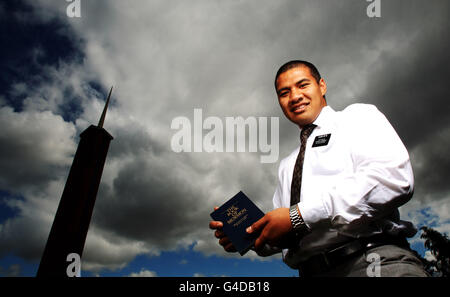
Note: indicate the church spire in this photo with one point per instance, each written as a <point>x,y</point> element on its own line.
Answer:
<point>102,118</point>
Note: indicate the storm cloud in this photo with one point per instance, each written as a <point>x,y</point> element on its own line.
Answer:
<point>167,58</point>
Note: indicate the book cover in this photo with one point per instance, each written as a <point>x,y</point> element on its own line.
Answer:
<point>236,215</point>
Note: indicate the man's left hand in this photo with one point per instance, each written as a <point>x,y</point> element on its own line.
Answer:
<point>274,228</point>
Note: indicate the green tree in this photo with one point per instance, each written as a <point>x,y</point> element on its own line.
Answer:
<point>439,246</point>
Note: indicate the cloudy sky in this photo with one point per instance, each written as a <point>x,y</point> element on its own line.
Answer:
<point>167,58</point>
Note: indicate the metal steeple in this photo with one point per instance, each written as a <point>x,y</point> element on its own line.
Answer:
<point>102,118</point>
<point>72,219</point>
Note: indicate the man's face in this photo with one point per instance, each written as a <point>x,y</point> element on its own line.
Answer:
<point>300,95</point>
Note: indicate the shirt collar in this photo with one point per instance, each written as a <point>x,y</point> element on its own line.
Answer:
<point>324,117</point>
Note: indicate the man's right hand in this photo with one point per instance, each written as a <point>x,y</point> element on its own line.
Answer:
<point>224,241</point>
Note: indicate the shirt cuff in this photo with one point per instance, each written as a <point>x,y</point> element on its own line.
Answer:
<point>313,212</point>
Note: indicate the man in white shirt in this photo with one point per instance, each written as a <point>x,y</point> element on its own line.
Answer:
<point>336,203</point>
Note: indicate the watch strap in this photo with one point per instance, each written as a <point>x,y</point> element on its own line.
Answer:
<point>298,224</point>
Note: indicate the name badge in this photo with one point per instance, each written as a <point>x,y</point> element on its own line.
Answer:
<point>321,140</point>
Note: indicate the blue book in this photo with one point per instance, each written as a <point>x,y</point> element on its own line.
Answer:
<point>236,215</point>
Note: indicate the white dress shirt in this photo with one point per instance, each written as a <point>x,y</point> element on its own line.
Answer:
<point>351,187</point>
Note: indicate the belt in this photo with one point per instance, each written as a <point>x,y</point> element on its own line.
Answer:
<point>325,261</point>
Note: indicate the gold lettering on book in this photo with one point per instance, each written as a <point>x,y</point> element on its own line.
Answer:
<point>240,221</point>
<point>234,213</point>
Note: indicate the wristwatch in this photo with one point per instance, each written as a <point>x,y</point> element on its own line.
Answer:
<point>298,224</point>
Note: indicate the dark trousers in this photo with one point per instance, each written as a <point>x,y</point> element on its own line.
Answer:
<point>384,261</point>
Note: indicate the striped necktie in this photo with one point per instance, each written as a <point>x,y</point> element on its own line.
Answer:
<point>297,176</point>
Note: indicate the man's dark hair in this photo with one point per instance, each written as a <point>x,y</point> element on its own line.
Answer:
<point>297,63</point>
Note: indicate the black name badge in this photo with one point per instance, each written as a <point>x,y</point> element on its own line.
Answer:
<point>321,140</point>
<point>236,215</point>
